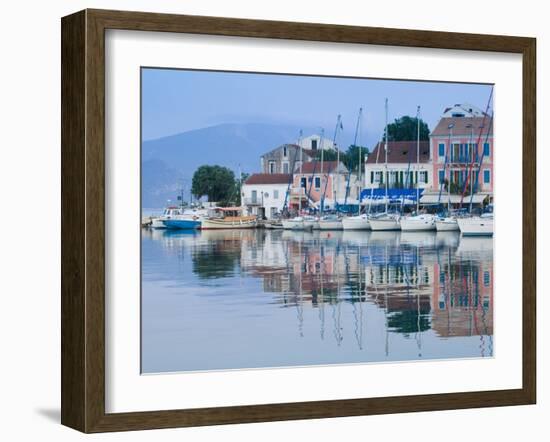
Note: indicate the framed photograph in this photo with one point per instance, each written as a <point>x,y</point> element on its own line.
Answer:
<point>269,220</point>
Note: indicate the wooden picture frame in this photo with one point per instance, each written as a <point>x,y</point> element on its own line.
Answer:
<point>83,220</point>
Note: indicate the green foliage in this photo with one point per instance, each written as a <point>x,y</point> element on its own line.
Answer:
<point>352,156</point>
<point>216,182</point>
<point>329,155</point>
<point>405,129</point>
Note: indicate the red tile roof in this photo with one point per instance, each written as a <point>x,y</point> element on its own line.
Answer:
<point>309,167</point>
<point>269,178</point>
<point>400,152</point>
<point>461,126</point>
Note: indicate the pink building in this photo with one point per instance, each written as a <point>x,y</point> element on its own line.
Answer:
<point>461,145</point>
<point>311,183</point>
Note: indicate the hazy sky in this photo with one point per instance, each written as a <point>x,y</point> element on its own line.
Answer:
<point>176,101</point>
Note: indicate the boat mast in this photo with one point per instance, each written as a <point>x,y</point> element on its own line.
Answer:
<point>386,158</point>
<point>417,159</point>
<point>321,200</point>
<point>241,186</point>
<point>337,187</point>
<point>358,164</point>
<point>300,183</point>
<point>450,150</point>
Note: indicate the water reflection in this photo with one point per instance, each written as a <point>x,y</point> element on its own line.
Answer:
<point>261,298</point>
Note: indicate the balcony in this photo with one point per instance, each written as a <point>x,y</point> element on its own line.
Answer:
<point>252,201</point>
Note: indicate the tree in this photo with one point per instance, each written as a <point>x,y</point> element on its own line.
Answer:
<point>331,155</point>
<point>352,156</point>
<point>405,129</point>
<point>215,182</point>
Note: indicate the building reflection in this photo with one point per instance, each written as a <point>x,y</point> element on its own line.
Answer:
<point>430,282</point>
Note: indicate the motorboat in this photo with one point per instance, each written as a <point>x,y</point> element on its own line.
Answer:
<point>169,213</point>
<point>182,223</point>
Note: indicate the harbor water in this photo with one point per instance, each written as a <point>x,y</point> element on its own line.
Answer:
<point>257,298</point>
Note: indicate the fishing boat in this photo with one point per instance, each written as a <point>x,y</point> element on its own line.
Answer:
<point>358,222</point>
<point>169,213</point>
<point>182,223</point>
<point>446,224</point>
<point>299,223</point>
<point>330,222</point>
<point>476,225</point>
<point>418,222</point>
<point>228,218</point>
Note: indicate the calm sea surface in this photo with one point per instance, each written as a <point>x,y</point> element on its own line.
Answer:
<point>259,298</point>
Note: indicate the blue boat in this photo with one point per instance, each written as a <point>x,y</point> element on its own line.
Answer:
<point>186,224</point>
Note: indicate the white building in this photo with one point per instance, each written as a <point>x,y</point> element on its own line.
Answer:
<point>264,193</point>
<point>402,171</point>
<point>462,110</point>
<point>315,142</point>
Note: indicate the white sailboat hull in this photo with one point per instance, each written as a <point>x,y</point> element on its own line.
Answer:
<point>446,225</point>
<point>416,223</point>
<point>355,223</point>
<point>476,226</point>
<point>384,224</point>
<point>291,224</point>
<point>330,225</point>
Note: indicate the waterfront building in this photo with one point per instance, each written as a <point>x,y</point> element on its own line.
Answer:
<point>283,158</point>
<point>462,154</point>
<point>313,181</point>
<point>317,142</point>
<point>264,194</point>
<point>403,172</point>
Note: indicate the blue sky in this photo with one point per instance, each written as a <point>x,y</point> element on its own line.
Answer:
<point>175,101</point>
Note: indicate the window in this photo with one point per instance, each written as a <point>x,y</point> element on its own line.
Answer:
<point>486,176</point>
<point>486,278</point>
<point>441,176</point>
<point>441,149</point>
<point>303,182</point>
<point>285,151</point>
<point>424,177</point>
<point>486,149</point>
<point>254,196</point>
<point>272,167</point>
<point>314,144</point>
<point>372,177</point>
<point>285,167</point>
<point>317,182</point>
<point>276,194</point>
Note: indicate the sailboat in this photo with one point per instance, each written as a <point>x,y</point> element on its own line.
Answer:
<point>359,221</point>
<point>418,221</point>
<point>477,225</point>
<point>299,223</point>
<point>331,222</point>
<point>386,220</point>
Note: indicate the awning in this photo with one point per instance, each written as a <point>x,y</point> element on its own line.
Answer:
<point>434,198</point>
<point>407,196</point>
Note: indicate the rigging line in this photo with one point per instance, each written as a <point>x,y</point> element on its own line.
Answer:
<point>478,142</point>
